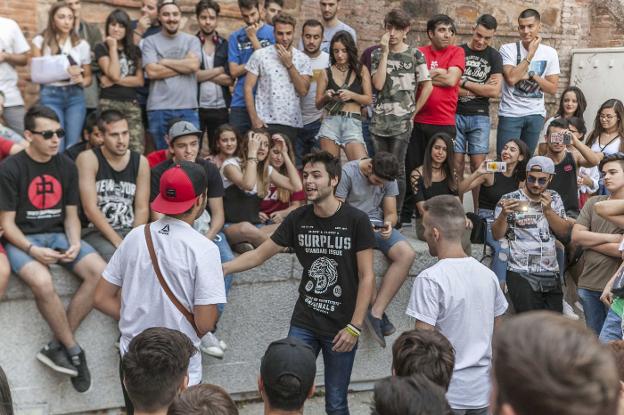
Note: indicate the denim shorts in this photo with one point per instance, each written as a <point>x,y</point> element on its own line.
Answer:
<point>19,258</point>
<point>384,245</point>
<point>341,130</point>
<point>473,134</point>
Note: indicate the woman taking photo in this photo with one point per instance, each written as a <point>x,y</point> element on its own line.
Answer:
<point>120,62</point>
<point>342,90</point>
<point>492,186</point>
<point>65,97</point>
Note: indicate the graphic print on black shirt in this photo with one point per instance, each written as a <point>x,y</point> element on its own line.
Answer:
<point>480,65</point>
<point>38,192</point>
<point>326,248</point>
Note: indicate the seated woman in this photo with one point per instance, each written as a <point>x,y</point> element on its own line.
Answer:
<point>246,181</point>
<point>279,202</point>
<point>228,144</point>
<point>492,186</point>
<point>435,177</point>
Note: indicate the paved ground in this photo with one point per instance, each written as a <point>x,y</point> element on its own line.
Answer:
<point>359,404</point>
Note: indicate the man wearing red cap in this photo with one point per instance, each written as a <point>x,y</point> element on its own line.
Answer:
<point>180,283</point>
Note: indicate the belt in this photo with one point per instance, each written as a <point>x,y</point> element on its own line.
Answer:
<point>354,115</point>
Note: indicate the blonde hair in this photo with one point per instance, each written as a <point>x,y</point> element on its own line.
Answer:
<point>283,195</point>
<point>261,166</point>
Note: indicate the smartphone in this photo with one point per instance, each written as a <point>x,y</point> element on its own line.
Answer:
<point>557,138</point>
<point>523,206</point>
<point>567,138</point>
<point>495,166</point>
<point>59,250</point>
<point>377,224</point>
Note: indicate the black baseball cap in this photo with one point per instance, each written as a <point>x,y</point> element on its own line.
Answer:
<point>284,360</point>
<point>180,186</point>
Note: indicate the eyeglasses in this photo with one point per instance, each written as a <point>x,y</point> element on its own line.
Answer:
<point>48,134</point>
<point>542,181</point>
<point>607,117</point>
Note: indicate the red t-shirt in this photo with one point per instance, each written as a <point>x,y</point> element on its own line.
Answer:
<point>5,147</point>
<point>271,203</point>
<point>156,157</point>
<point>441,106</point>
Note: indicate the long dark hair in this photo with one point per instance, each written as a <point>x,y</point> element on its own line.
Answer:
<point>50,33</point>
<point>617,106</point>
<point>580,100</point>
<point>447,165</point>
<point>519,172</point>
<point>346,39</point>
<point>214,144</point>
<point>6,403</point>
<point>121,17</point>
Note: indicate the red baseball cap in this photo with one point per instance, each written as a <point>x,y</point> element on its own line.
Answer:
<point>180,186</point>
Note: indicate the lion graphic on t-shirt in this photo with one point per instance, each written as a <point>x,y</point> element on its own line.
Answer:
<point>324,273</point>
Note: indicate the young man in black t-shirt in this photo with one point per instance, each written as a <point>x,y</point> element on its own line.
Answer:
<point>39,214</point>
<point>334,244</point>
<point>482,80</point>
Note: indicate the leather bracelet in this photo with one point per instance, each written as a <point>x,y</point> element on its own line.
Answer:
<point>28,249</point>
<point>252,159</point>
<point>289,67</point>
<point>463,84</point>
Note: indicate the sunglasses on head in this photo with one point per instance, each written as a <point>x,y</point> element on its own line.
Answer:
<point>542,181</point>
<point>48,134</point>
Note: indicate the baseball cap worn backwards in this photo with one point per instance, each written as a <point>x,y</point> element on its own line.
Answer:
<point>180,186</point>
<point>541,164</point>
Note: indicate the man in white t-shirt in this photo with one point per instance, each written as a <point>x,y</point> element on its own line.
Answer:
<point>530,69</point>
<point>13,51</point>
<point>462,299</point>
<point>312,36</point>
<point>282,74</point>
<point>189,263</point>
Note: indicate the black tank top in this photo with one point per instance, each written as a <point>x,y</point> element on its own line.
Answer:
<point>116,189</point>
<point>490,195</point>
<point>355,86</point>
<point>564,183</point>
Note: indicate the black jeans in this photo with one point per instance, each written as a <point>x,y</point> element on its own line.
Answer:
<point>421,135</point>
<point>525,298</point>
<point>209,120</point>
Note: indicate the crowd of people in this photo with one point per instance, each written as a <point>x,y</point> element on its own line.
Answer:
<point>154,156</point>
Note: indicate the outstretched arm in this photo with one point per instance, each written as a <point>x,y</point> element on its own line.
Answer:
<point>252,259</point>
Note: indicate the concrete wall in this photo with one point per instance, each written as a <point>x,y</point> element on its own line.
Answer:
<point>259,311</point>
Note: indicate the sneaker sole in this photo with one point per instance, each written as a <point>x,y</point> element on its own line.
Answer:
<point>46,361</point>
<point>211,353</point>
<point>389,332</point>
<point>380,340</point>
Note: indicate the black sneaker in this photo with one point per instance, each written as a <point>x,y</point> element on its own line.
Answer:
<point>374,327</point>
<point>56,358</point>
<point>82,381</point>
<point>387,328</point>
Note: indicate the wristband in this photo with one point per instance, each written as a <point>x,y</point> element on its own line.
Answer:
<point>28,249</point>
<point>136,32</point>
<point>528,60</point>
<point>352,330</point>
<point>290,67</point>
<point>252,159</point>
<point>463,84</point>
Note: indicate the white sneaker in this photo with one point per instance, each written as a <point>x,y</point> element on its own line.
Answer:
<point>568,311</point>
<point>222,345</point>
<point>210,345</point>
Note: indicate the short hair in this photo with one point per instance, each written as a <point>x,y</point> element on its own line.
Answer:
<point>331,163</point>
<point>446,214</point>
<point>544,363</point>
<point>278,2</point>
<point>579,123</point>
<point>284,18</point>
<point>312,23</point>
<point>412,395</point>
<point>488,21</point>
<point>397,18</point>
<point>385,165</point>
<point>557,123</point>
<point>109,116</point>
<point>205,5</point>
<point>162,3</point>
<point>617,348</point>
<point>440,19</point>
<point>38,111</point>
<point>155,365</point>
<point>424,352</point>
<point>619,157</point>
<point>526,13</point>
<point>203,399</point>
<point>91,122</point>
<point>249,4</point>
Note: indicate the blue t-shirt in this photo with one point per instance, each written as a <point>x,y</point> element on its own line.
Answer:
<point>239,52</point>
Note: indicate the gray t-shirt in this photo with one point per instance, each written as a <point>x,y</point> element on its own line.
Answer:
<point>178,92</point>
<point>329,33</point>
<point>461,297</point>
<point>357,191</point>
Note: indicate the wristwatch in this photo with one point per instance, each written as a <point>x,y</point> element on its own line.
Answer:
<point>531,75</point>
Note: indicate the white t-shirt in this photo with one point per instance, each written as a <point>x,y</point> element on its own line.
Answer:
<point>309,111</point>
<point>519,103</point>
<point>235,161</point>
<point>81,53</point>
<point>11,41</point>
<point>461,297</point>
<point>277,101</point>
<point>611,148</point>
<point>191,266</point>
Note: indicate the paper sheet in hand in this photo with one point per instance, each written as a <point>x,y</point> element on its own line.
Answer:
<point>48,69</point>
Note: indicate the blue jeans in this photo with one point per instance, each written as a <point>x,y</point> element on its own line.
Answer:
<point>68,102</point>
<point>612,328</point>
<point>368,138</point>
<point>473,134</point>
<point>527,129</point>
<point>594,309</point>
<point>239,119</point>
<point>158,121</point>
<point>225,252</point>
<point>338,368</point>
<point>500,255</point>
<point>306,141</point>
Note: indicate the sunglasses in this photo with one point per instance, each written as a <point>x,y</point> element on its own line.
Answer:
<point>542,181</point>
<point>48,134</point>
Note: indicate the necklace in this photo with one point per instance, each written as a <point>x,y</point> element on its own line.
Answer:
<point>338,208</point>
<point>342,67</point>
